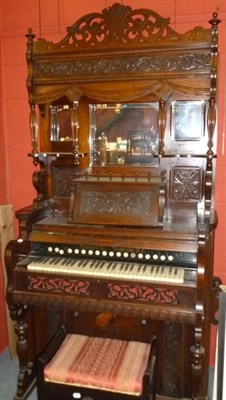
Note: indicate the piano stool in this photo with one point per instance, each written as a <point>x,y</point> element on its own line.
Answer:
<point>85,367</point>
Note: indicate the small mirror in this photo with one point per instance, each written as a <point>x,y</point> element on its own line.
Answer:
<point>124,133</point>
<point>187,120</point>
<point>60,123</point>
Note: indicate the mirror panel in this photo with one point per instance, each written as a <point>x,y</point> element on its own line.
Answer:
<point>60,123</point>
<point>187,120</point>
<point>124,133</point>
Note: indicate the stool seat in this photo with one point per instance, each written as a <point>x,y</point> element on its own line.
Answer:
<point>102,363</point>
<point>76,366</point>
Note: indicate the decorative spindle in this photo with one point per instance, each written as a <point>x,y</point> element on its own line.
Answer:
<point>34,133</point>
<point>215,22</point>
<point>75,131</point>
<point>208,187</point>
<point>30,38</point>
<point>211,122</point>
<point>161,125</point>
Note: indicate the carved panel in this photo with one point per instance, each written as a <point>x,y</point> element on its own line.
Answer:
<point>56,285</point>
<point>141,310</point>
<point>144,293</point>
<point>171,383</point>
<point>127,65</point>
<point>186,184</point>
<point>62,177</point>
<point>116,203</point>
<point>54,320</point>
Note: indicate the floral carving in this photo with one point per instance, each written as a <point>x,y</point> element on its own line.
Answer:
<point>130,65</point>
<point>186,184</point>
<point>116,203</point>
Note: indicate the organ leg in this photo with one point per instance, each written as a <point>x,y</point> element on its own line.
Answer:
<point>25,380</point>
<point>198,354</point>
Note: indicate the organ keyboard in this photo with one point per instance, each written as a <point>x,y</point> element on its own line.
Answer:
<point>109,270</point>
<point>123,222</point>
<point>140,265</point>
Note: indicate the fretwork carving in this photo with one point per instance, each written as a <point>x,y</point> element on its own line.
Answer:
<point>123,25</point>
<point>144,293</point>
<point>57,285</point>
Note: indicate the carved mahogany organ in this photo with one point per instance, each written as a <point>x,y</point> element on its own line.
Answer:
<point>123,115</point>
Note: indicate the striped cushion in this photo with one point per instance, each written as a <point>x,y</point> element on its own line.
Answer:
<point>107,364</point>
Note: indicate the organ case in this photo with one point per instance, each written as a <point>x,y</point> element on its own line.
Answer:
<point>122,119</point>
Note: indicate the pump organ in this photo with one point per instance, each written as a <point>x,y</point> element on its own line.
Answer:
<point>123,114</point>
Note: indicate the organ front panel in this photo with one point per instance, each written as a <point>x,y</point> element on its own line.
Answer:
<point>119,240</point>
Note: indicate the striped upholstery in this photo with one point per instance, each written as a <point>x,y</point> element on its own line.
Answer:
<point>100,363</point>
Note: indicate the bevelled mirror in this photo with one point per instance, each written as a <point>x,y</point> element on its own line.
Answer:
<point>124,133</point>
<point>60,123</point>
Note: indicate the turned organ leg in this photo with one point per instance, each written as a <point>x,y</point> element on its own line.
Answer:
<point>198,356</point>
<point>25,380</point>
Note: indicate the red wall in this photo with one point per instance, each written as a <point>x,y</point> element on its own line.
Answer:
<point>3,199</point>
<point>49,18</point>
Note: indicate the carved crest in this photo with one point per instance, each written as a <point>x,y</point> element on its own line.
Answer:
<point>121,24</point>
